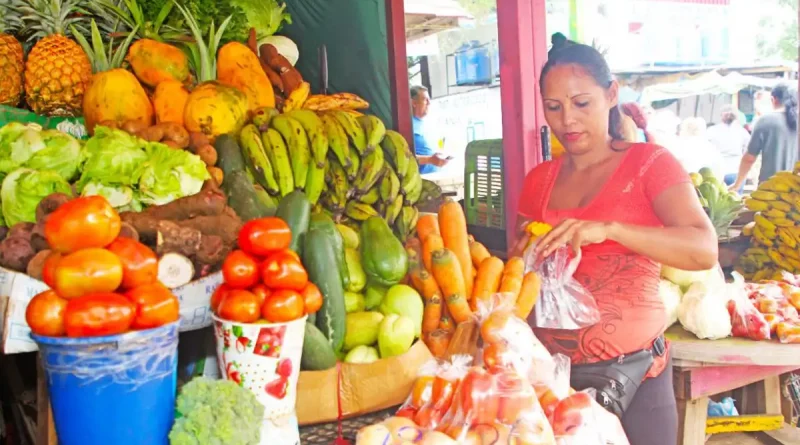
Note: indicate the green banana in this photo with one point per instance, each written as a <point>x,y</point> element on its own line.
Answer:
<point>406,222</point>
<point>393,210</point>
<point>315,183</point>
<point>359,211</point>
<point>353,129</point>
<point>355,165</point>
<point>412,180</point>
<point>397,151</point>
<point>413,194</point>
<point>337,139</point>
<point>333,203</point>
<point>370,172</point>
<point>256,158</point>
<point>390,185</point>
<point>315,129</point>
<point>279,157</point>
<point>430,190</point>
<point>375,131</point>
<point>340,186</point>
<point>371,197</point>
<point>297,141</point>
<point>262,116</point>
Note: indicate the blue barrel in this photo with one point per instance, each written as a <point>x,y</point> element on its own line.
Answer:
<point>118,389</point>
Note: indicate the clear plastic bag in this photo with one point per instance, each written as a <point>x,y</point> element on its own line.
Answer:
<point>746,320</point>
<point>551,391</point>
<point>443,390</point>
<point>422,391</point>
<point>580,420</point>
<point>564,303</point>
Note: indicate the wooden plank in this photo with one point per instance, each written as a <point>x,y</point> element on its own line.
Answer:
<point>711,381</point>
<point>398,68</point>
<point>46,429</point>
<point>739,351</point>
<point>788,435</point>
<point>740,424</point>
<point>692,430</point>
<point>772,395</point>
<point>787,408</point>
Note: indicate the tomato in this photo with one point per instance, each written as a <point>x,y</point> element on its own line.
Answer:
<point>218,295</point>
<point>282,306</point>
<point>283,271</point>
<point>263,236</point>
<point>262,292</point>
<point>240,270</point>
<point>571,413</point>
<point>240,306</point>
<point>479,396</point>
<point>139,262</point>
<point>45,314</point>
<point>49,269</point>
<point>312,298</point>
<point>82,223</point>
<point>87,271</point>
<point>99,314</point>
<point>155,306</point>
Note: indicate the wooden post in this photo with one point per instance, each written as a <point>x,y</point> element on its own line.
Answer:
<point>523,51</point>
<point>398,68</point>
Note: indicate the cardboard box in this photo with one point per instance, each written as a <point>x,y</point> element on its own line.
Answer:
<point>364,388</point>
<point>17,289</point>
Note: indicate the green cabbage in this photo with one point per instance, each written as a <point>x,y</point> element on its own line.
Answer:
<point>170,174</point>
<point>22,190</point>
<point>61,154</point>
<point>112,157</point>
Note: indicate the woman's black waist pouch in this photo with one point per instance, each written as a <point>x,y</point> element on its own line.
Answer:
<point>617,380</point>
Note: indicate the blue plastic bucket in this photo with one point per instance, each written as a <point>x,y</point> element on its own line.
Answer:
<point>118,389</point>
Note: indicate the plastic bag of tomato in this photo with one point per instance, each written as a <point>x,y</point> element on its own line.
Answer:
<point>100,283</point>
<point>265,281</point>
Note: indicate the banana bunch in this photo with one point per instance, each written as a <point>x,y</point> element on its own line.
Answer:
<point>349,164</point>
<point>775,230</point>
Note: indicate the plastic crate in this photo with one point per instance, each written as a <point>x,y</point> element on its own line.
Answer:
<point>484,201</point>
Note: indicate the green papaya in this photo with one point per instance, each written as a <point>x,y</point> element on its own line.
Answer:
<point>383,256</point>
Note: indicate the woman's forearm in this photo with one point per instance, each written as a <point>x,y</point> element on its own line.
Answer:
<point>687,248</point>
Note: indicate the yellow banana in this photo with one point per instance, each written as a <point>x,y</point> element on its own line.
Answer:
<point>783,206</point>
<point>375,131</point>
<point>775,214</point>
<point>747,230</point>
<point>764,195</point>
<point>315,183</point>
<point>297,97</point>
<point>763,274</point>
<point>359,211</point>
<point>337,139</point>
<point>789,252</point>
<point>786,237</point>
<point>390,185</point>
<point>315,130</point>
<point>278,155</point>
<point>256,159</point>
<point>353,129</point>
<point>756,205</point>
<point>761,238</point>
<point>785,196</point>
<point>297,141</point>
<point>779,259</point>
<point>763,222</point>
<point>355,165</point>
<point>371,169</point>
<point>776,185</point>
<point>397,152</point>
<point>782,222</point>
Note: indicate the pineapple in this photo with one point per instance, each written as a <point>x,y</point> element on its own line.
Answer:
<point>57,71</point>
<point>11,55</point>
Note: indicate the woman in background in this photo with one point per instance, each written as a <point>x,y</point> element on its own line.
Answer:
<point>731,140</point>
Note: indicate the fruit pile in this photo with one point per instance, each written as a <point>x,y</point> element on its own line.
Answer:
<point>265,281</point>
<point>771,310</point>
<point>775,230</point>
<point>100,282</point>
<point>721,205</point>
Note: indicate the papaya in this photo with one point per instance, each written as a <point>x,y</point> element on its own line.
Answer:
<point>383,256</point>
<point>169,101</point>
<point>154,62</point>
<point>115,95</point>
<point>239,67</point>
<point>214,109</point>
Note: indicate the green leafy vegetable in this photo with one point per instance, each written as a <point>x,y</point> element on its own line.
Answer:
<point>113,157</point>
<point>266,16</point>
<point>211,412</point>
<point>23,189</point>
<point>170,174</point>
<point>61,154</point>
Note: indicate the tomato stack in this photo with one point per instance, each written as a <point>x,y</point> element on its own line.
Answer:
<point>100,283</point>
<point>265,281</point>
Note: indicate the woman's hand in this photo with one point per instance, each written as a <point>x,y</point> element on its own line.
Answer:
<point>572,231</point>
<point>523,239</point>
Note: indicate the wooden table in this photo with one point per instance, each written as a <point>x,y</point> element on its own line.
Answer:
<point>704,368</point>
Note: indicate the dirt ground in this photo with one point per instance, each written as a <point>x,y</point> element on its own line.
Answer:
<point>733,439</point>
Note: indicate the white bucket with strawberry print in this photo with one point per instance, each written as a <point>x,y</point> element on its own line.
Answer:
<point>265,358</point>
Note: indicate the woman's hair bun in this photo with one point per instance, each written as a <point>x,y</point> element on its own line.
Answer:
<point>559,41</point>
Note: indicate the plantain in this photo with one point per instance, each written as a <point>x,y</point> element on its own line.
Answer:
<point>262,116</point>
<point>397,152</point>
<point>353,129</point>
<point>393,210</point>
<point>783,206</point>
<point>256,159</point>
<point>340,186</point>
<point>355,165</point>
<point>761,238</point>
<point>430,190</point>
<point>338,101</point>
<point>359,211</point>
<point>406,222</point>
<point>371,197</point>
<point>299,151</point>
<point>789,252</point>
<point>278,155</point>
<point>775,213</point>
<point>412,181</point>
<point>763,222</point>
<point>297,98</point>
<point>315,183</point>
<point>764,195</point>
<point>375,131</point>
<point>413,193</point>
<point>337,140</point>
<point>756,205</point>
<point>390,185</point>
<point>370,171</point>
<point>786,237</point>
<point>315,129</point>
<point>779,259</point>
<point>776,185</point>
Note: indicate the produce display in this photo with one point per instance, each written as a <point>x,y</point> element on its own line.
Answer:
<point>775,231</point>
<point>721,205</point>
<point>101,283</point>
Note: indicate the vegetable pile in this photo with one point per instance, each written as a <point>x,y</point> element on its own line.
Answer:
<point>101,283</point>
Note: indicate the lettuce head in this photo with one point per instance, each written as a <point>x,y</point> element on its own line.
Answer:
<point>22,190</point>
<point>61,153</point>
<point>112,157</point>
<point>170,174</point>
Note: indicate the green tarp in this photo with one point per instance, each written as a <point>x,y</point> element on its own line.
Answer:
<point>354,32</point>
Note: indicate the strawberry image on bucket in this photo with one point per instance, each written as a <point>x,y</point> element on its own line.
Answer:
<point>270,341</point>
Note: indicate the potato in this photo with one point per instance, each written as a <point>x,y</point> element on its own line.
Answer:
<point>172,144</point>
<point>16,253</point>
<point>152,134</point>
<point>175,133</point>
<point>197,140</point>
<point>36,264</point>
<point>21,230</point>
<point>216,174</point>
<point>134,126</point>
<point>208,154</point>
<point>49,205</point>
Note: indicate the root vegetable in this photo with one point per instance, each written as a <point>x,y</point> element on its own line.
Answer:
<point>172,144</point>
<point>154,133</point>
<point>208,154</point>
<point>109,124</point>
<point>21,230</point>
<point>210,201</point>
<point>175,133</point>
<point>3,232</point>
<point>197,140</point>
<point>49,205</point>
<point>134,126</point>
<point>16,253</point>
<point>127,231</point>
<point>217,174</point>
<point>175,270</point>
<point>36,264</point>
<point>38,240</point>
<point>189,242</point>
<point>225,226</point>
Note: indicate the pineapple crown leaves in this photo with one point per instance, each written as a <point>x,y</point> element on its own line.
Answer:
<point>130,13</point>
<point>10,20</point>
<point>104,59</point>
<point>204,56</point>
<point>48,17</point>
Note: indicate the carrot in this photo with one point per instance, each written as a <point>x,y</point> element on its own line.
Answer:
<point>446,321</point>
<point>432,243</point>
<point>478,252</point>
<point>453,225</point>
<point>528,295</point>
<point>414,244</point>
<point>447,272</point>
<point>512,277</point>
<point>438,341</point>
<point>488,280</point>
<point>427,287</point>
<point>427,225</point>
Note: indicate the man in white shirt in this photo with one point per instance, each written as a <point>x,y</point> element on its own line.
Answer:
<point>731,140</point>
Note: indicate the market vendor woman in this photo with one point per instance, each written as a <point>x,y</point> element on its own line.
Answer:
<point>629,207</point>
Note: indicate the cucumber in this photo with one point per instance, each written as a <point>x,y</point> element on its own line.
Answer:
<point>295,209</point>
<point>321,264</point>
<point>242,196</point>
<point>317,352</point>
<point>229,154</point>
<point>322,221</point>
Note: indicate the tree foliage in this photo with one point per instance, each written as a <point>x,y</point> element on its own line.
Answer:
<point>786,45</point>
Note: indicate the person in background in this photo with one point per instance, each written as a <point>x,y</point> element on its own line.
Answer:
<point>427,159</point>
<point>774,137</point>
<point>639,117</point>
<point>731,140</point>
<point>693,149</point>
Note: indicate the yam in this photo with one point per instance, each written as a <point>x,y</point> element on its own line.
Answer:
<point>16,253</point>
<point>128,231</point>
<point>175,270</point>
<point>225,226</point>
<point>36,264</point>
<point>210,201</point>
<point>49,205</point>
<point>38,240</point>
<point>190,242</point>
<point>3,232</point>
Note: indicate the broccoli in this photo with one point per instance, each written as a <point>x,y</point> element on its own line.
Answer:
<point>216,412</point>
